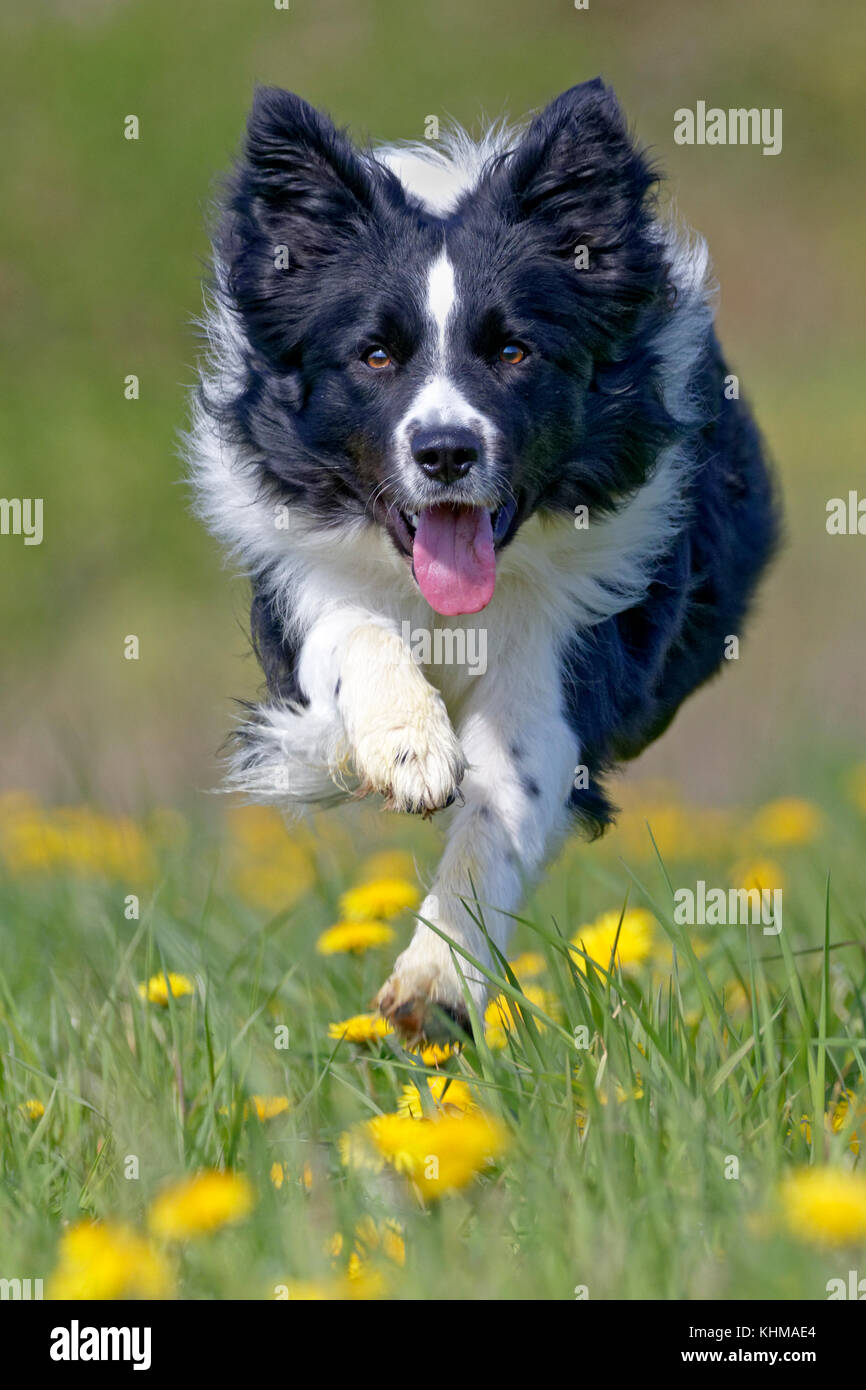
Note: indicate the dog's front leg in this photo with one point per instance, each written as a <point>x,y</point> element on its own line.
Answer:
<point>396,734</point>
<point>521,756</point>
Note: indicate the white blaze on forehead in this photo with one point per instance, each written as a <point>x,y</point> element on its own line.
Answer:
<point>440,402</point>
<point>441,294</point>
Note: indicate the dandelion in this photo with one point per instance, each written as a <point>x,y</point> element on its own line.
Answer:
<point>434,1054</point>
<point>107,1261</point>
<point>32,1109</point>
<point>499,1018</point>
<point>361,1028</point>
<point>438,1156</point>
<point>826,1205</point>
<point>278,1174</point>
<point>270,868</point>
<point>634,944</point>
<point>379,900</point>
<point>389,863</point>
<point>528,964</point>
<point>364,1282</point>
<point>72,839</point>
<point>157,989</point>
<point>197,1205</point>
<point>761,874</point>
<point>839,1116</point>
<point>267,1107</point>
<point>736,998</point>
<point>788,821</point>
<point>447,1093</point>
<point>834,1121</point>
<point>387,1237</point>
<point>353,936</point>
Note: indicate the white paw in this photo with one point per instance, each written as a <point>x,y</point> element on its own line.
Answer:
<point>399,734</point>
<point>424,997</point>
<point>414,760</point>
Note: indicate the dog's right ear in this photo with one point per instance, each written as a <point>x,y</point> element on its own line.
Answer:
<point>300,194</point>
<point>303,177</point>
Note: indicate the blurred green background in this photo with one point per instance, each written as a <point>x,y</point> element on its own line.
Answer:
<point>101,252</point>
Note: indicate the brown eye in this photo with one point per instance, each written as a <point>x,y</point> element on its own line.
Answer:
<point>511,354</point>
<point>377,358</point>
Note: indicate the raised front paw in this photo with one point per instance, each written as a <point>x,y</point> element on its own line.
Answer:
<point>413,759</point>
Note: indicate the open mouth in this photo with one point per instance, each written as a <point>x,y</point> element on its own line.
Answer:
<point>452,550</point>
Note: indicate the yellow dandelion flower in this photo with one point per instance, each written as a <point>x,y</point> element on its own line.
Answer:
<point>788,821</point>
<point>334,1246</point>
<point>73,839</point>
<point>379,900</point>
<point>268,1107</point>
<point>32,1109</point>
<point>826,1205</point>
<point>840,1114</point>
<point>388,863</point>
<point>438,1156</point>
<point>434,1054</point>
<point>362,1028</point>
<point>270,868</point>
<point>499,1015</point>
<point>107,1261</point>
<point>357,1151</point>
<point>634,945</point>
<point>528,964</point>
<point>737,1000</point>
<point>353,936</point>
<point>157,989</point>
<point>364,1281</point>
<point>279,1174</point>
<point>200,1204</point>
<point>763,874</point>
<point>386,1238</point>
<point>447,1093</point>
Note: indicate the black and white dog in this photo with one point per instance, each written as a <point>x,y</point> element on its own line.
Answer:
<point>459,390</point>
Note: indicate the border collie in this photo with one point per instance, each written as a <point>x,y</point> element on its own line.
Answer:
<point>456,387</point>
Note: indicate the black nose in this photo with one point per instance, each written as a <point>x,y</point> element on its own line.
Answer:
<point>446,454</point>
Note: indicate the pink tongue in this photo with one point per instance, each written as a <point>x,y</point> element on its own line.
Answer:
<point>453,558</point>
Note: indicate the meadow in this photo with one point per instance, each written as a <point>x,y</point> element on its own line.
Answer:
<point>195,1101</point>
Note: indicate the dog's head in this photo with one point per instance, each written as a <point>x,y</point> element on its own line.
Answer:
<point>446,373</point>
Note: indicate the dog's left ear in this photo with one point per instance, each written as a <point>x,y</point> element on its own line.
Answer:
<point>577,173</point>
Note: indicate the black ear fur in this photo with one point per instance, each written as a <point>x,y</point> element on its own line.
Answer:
<point>300,185</point>
<point>579,180</point>
<point>301,173</point>
<point>577,168</point>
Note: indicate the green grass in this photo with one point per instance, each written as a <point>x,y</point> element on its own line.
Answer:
<point>714,1051</point>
